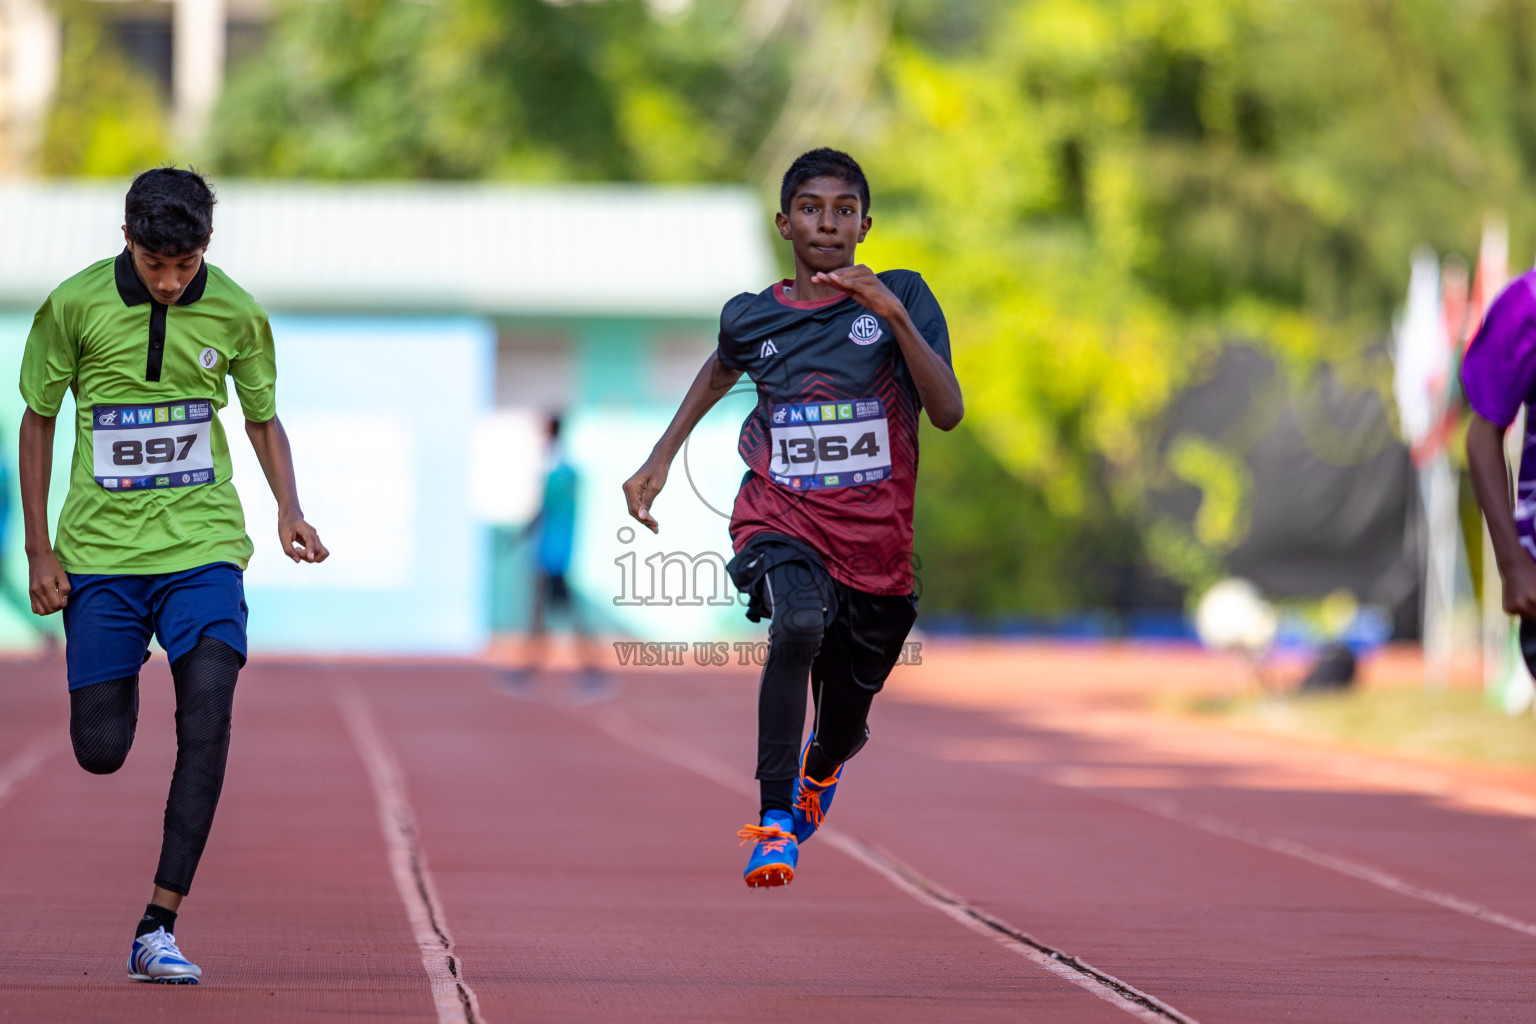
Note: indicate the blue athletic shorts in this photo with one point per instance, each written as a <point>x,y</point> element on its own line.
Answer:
<point>109,619</point>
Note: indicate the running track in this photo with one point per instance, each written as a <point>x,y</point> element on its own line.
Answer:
<point>403,843</point>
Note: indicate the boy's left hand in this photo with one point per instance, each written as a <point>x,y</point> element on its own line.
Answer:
<point>867,290</point>
<point>301,543</point>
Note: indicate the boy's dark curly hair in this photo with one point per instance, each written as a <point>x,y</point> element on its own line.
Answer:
<point>169,211</point>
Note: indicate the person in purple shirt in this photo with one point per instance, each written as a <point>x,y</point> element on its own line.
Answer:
<point>1498,376</point>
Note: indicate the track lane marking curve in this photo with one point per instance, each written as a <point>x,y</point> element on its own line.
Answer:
<point>454,999</point>
<point>1171,810</point>
<point>1073,970</point>
<point>15,772</point>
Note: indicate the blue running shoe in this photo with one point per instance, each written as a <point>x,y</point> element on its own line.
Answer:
<point>812,799</point>
<point>775,854</point>
<point>156,958</point>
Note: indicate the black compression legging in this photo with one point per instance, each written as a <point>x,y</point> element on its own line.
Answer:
<point>102,720</point>
<point>844,642</point>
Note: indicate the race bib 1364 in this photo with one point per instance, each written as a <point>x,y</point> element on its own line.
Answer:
<point>140,447</point>
<point>830,444</point>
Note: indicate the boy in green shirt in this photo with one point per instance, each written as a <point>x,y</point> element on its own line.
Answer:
<point>152,538</point>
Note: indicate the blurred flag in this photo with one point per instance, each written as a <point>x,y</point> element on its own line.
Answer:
<point>1423,359</point>
<point>1424,382</point>
<point>1492,273</point>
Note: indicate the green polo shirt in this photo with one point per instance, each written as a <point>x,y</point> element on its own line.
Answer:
<point>149,486</point>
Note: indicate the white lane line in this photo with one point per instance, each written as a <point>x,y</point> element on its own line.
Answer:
<point>1166,807</point>
<point>1174,811</point>
<point>1074,970</point>
<point>1070,969</point>
<point>21,767</point>
<point>455,1001</point>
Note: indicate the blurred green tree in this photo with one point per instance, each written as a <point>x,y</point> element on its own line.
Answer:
<point>1103,193</point>
<point>107,117</point>
<point>1106,192</point>
<point>509,89</point>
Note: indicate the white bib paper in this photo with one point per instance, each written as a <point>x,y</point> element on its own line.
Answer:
<point>141,447</point>
<point>830,444</point>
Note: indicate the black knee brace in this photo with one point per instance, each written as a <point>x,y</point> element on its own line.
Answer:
<point>840,744</point>
<point>799,614</point>
<point>102,720</point>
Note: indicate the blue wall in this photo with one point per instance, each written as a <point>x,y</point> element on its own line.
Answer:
<point>379,412</point>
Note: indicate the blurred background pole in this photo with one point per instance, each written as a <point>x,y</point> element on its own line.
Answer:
<point>1437,483</point>
<point>198,64</point>
<point>1420,382</point>
<point>29,48</point>
<point>1492,275</point>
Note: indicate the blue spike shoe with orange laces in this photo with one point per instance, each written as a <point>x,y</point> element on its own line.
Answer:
<point>812,799</point>
<point>774,853</point>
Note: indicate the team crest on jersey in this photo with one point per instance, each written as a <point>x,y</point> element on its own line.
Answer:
<point>866,330</point>
<point>207,357</point>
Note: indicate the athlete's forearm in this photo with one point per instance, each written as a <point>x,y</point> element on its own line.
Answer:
<point>1490,482</point>
<point>937,386</point>
<point>713,382</point>
<point>270,442</point>
<point>35,467</point>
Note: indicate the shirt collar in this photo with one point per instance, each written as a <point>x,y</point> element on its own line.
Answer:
<point>133,292</point>
<point>781,289</point>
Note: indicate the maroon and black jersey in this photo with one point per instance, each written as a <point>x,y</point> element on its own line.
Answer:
<point>832,443</point>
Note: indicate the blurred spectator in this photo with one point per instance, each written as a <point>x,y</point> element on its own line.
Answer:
<point>553,528</point>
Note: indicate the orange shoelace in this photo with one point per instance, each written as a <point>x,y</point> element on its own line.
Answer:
<point>810,799</point>
<point>772,839</point>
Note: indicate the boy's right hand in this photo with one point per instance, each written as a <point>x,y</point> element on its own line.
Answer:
<point>48,584</point>
<point>641,489</point>
<point>1520,588</point>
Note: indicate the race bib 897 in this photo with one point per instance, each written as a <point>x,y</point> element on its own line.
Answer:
<point>139,447</point>
<point>830,444</point>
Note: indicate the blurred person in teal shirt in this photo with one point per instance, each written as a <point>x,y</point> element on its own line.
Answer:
<point>556,523</point>
<point>554,530</point>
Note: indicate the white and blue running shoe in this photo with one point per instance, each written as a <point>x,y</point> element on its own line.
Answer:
<point>156,958</point>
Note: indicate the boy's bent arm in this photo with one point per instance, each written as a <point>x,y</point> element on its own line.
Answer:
<point>1490,482</point>
<point>937,386</point>
<point>714,380</point>
<point>300,541</point>
<point>48,584</point>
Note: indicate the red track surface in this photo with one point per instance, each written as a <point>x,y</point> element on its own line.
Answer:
<point>584,863</point>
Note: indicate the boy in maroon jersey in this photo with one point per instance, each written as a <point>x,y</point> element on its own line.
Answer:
<point>843,359</point>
